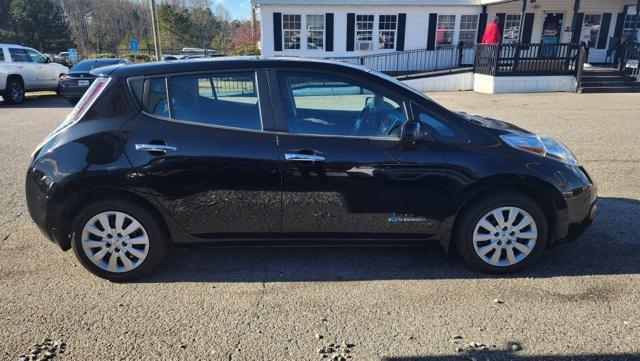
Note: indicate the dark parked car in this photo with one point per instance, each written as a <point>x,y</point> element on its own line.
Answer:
<point>246,151</point>
<point>77,81</point>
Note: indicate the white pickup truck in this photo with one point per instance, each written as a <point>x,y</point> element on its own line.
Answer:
<point>24,69</point>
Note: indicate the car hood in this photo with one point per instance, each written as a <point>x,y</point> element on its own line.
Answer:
<point>499,126</point>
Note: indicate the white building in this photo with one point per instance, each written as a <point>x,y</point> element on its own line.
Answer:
<point>345,28</point>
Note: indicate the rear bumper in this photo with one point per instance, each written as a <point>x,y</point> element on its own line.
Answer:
<point>72,92</point>
<point>38,190</point>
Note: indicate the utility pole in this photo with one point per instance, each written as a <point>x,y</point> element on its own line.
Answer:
<point>253,19</point>
<point>156,30</point>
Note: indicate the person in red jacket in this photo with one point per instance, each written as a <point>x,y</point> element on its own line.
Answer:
<point>491,33</point>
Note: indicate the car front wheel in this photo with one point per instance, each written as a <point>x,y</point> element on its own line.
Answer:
<point>502,232</point>
<point>118,240</point>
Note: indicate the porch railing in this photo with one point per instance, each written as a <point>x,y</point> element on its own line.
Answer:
<point>526,59</point>
<point>401,63</point>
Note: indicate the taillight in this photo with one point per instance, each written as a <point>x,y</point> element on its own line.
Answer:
<point>86,101</point>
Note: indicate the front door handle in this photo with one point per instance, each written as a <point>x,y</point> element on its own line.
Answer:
<point>161,148</point>
<point>303,157</point>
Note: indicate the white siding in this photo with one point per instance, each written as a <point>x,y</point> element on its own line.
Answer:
<point>523,84</point>
<point>444,83</point>
<point>415,32</point>
<point>418,21</point>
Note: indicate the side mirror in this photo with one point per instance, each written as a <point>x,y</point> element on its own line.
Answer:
<point>47,60</point>
<point>412,132</point>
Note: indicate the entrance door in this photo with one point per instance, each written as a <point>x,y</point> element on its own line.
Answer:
<point>552,28</point>
<point>345,172</point>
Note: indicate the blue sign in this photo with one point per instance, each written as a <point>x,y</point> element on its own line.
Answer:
<point>73,55</point>
<point>133,45</point>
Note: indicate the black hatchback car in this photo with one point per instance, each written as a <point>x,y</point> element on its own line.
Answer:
<point>246,151</point>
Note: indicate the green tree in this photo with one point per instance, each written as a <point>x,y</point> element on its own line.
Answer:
<point>175,26</point>
<point>40,24</point>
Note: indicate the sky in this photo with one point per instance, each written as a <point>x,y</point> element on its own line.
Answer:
<point>239,9</point>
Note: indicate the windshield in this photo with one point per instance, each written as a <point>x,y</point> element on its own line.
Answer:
<point>88,65</point>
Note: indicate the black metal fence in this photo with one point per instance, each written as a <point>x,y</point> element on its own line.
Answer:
<point>415,61</point>
<point>526,59</point>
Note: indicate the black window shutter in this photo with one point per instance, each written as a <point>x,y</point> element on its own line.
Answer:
<point>527,32</point>
<point>277,31</point>
<point>502,17</point>
<point>619,25</point>
<point>482,25</point>
<point>402,24</point>
<point>328,19</point>
<point>351,26</point>
<point>604,31</point>
<point>431,36</point>
<point>575,37</point>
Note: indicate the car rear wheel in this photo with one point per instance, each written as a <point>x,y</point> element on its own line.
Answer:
<point>14,93</point>
<point>118,240</point>
<point>502,232</point>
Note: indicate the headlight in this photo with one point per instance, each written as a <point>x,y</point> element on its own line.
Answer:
<point>541,145</point>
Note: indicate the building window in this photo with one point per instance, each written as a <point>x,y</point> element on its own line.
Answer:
<point>591,29</point>
<point>315,32</point>
<point>364,32</point>
<point>291,28</point>
<point>512,29</point>
<point>387,26</point>
<point>469,29</point>
<point>446,28</point>
<point>629,22</point>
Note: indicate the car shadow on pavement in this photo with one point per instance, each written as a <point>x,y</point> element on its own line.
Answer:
<point>610,246</point>
<point>497,355</point>
<point>40,100</point>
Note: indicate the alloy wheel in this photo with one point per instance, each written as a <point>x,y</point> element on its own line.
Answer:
<point>115,241</point>
<point>505,236</point>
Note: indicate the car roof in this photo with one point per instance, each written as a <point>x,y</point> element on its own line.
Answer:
<point>14,46</point>
<point>103,60</point>
<point>220,63</point>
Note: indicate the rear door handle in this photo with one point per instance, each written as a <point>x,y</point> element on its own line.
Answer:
<point>303,157</point>
<point>161,148</point>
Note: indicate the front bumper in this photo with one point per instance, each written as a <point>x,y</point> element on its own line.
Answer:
<point>578,215</point>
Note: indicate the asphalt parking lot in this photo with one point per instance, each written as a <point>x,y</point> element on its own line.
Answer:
<point>580,302</point>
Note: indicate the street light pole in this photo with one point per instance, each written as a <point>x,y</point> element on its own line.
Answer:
<point>156,30</point>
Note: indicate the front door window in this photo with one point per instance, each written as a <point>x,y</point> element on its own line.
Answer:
<point>329,105</point>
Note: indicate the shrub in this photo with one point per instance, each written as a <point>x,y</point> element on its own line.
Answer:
<point>101,56</point>
<point>138,57</point>
<point>246,49</point>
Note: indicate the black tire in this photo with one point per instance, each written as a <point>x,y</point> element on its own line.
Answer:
<point>157,238</point>
<point>472,214</point>
<point>14,92</point>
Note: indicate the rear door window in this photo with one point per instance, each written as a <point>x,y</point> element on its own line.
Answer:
<point>157,97</point>
<point>1,54</point>
<point>224,99</point>
<point>19,56</point>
